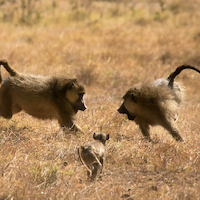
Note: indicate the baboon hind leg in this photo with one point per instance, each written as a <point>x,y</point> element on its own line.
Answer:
<point>95,171</point>
<point>5,104</point>
<point>96,165</point>
<point>173,131</point>
<point>88,172</point>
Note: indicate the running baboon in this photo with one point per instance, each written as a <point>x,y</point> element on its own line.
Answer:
<point>155,103</point>
<point>47,97</point>
<point>93,154</point>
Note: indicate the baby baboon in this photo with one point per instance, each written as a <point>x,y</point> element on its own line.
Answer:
<point>155,103</point>
<point>93,154</point>
<point>42,97</point>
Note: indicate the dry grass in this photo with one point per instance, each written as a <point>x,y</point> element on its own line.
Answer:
<point>110,47</point>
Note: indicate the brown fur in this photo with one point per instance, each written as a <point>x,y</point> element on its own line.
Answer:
<point>47,97</point>
<point>93,154</point>
<point>156,103</point>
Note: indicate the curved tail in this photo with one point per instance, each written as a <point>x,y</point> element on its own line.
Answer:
<point>172,76</point>
<point>11,71</point>
<point>79,153</point>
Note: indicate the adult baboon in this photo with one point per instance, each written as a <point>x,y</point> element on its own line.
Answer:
<point>155,103</point>
<point>47,97</point>
<point>93,154</point>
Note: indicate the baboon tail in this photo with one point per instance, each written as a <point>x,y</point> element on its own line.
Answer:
<point>8,68</point>
<point>79,153</point>
<point>178,71</point>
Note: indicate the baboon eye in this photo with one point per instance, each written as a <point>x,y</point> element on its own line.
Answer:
<point>81,95</point>
<point>133,98</point>
<point>71,85</point>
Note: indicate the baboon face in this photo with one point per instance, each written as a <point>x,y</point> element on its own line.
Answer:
<point>128,107</point>
<point>101,136</point>
<point>75,96</point>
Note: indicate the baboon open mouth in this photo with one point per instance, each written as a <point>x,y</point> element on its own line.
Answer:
<point>123,110</point>
<point>130,117</point>
<point>77,109</point>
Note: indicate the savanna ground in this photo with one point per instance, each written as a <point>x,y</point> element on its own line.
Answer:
<point>109,46</point>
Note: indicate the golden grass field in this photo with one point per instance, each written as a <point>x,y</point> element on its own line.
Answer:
<point>109,46</point>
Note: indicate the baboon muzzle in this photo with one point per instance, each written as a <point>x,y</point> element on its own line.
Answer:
<point>83,107</point>
<point>123,110</point>
<point>79,106</point>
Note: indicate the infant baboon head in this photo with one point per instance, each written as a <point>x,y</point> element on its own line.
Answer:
<point>102,137</point>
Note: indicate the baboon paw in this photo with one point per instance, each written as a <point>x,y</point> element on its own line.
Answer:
<point>179,139</point>
<point>148,139</point>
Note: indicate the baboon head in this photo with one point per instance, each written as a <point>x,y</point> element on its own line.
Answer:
<point>129,105</point>
<point>74,94</point>
<point>102,137</point>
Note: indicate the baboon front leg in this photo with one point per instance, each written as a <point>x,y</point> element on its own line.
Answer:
<point>168,126</point>
<point>66,122</point>
<point>75,128</point>
<point>145,130</point>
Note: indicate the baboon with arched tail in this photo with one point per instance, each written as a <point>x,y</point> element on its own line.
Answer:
<point>155,103</point>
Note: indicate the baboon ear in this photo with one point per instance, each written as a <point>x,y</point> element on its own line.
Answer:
<point>133,98</point>
<point>94,136</point>
<point>71,84</point>
<point>82,147</point>
<point>107,137</point>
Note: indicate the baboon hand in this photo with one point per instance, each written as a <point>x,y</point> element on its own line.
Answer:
<point>74,128</point>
